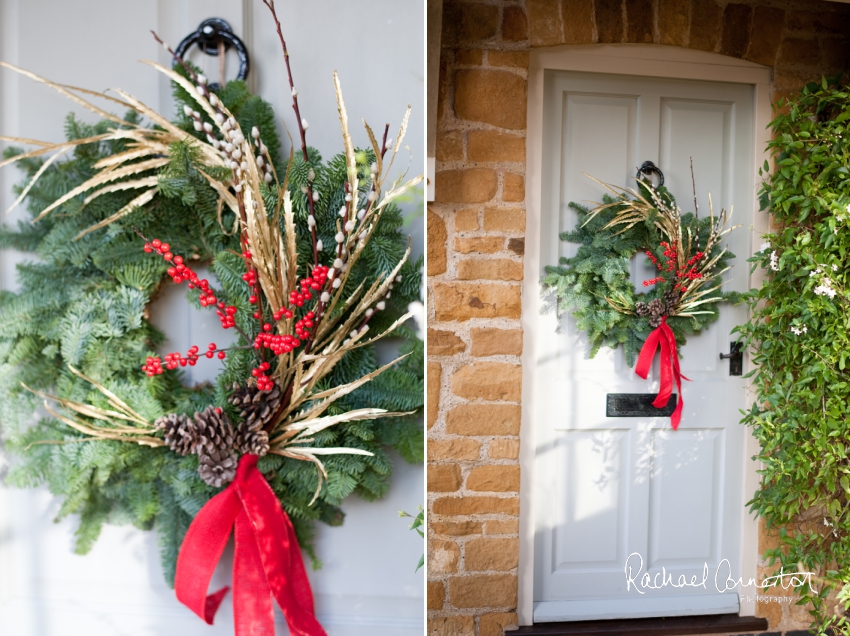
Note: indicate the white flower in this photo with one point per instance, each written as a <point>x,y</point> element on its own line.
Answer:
<point>825,288</point>
<point>764,246</point>
<point>815,272</point>
<point>774,261</point>
<point>797,331</point>
<point>835,268</point>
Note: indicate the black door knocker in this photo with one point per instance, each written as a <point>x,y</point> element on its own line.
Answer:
<point>646,171</point>
<point>210,36</point>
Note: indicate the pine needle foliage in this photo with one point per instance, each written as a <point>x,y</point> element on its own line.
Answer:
<point>800,343</point>
<point>83,301</point>
<point>595,285</point>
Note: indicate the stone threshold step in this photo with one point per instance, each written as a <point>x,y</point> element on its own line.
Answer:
<point>669,626</point>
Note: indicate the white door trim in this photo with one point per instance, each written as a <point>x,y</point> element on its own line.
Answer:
<point>623,59</point>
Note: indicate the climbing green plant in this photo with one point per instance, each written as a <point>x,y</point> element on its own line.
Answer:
<point>799,338</point>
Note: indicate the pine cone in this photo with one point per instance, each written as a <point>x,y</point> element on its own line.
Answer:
<point>655,321</point>
<point>214,431</point>
<point>253,442</point>
<point>671,299</point>
<point>656,307</point>
<point>641,308</point>
<point>179,433</point>
<point>217,467</point>
<point>256,407</point>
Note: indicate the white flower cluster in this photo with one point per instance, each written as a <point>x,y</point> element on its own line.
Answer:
<point>797,331</point>
<point>825,288</point>
<point>774,261</point>
<point>764,246</point>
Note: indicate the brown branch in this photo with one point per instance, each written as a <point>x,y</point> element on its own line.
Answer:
<point>302,132</point>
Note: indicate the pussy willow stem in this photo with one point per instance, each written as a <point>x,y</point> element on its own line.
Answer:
<point>301,131</point>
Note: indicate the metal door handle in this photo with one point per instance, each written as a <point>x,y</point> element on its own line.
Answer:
<point>735,357</point>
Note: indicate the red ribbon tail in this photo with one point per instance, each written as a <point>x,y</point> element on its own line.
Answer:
<point>647,353</point>
<point>663,336</point>
<point>280,555</point>
<point>200,552</point>
<point>253,608</point>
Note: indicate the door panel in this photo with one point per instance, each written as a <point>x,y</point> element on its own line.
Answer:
<point>633,485</point>
<point>367,584</point>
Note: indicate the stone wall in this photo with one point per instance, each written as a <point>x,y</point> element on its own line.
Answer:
<point>476,229</point>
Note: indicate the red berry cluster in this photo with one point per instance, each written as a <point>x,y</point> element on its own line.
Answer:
<point>264,382</point>
<point>278,344</point>
<point>180,272</point>
<point>308,283</point>
<point>671,254</point>
<point>153,365</point>
<point>653,281</point>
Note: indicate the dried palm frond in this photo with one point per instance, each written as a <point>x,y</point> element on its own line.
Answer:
<point>122,424</point>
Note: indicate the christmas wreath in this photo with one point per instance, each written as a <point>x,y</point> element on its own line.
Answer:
<point>311,271</point>
<point>680,300</point>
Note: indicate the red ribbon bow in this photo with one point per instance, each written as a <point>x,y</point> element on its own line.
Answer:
<point>267,560</point>
<point>664,337</point>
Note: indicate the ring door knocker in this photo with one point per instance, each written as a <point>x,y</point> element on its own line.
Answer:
<point>212,36</point>
<point>645,172</point>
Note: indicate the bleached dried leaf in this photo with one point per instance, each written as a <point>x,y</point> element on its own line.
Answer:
<point>139,201</point>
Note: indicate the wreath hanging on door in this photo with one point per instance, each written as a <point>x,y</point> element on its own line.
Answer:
<point>680,300</point>
<point>312,269</point>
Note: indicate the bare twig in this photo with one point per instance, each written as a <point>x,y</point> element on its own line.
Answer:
<point>302,132</point>
<point>694,183</point>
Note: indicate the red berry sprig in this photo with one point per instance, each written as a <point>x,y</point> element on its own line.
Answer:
<point>153,364</point>
<point>181,272</point>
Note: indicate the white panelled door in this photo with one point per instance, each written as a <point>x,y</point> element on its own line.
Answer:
<point>367,584</point>
<point>607,488</point>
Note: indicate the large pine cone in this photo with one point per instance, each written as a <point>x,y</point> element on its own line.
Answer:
<point>657,307</point>
<point>257,408</point>
<point>214,431</point>
<point>671,299</point>
<point>179,433</point>
<point>217,467</point>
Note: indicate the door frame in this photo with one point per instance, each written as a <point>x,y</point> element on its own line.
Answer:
<point>624,59</point>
